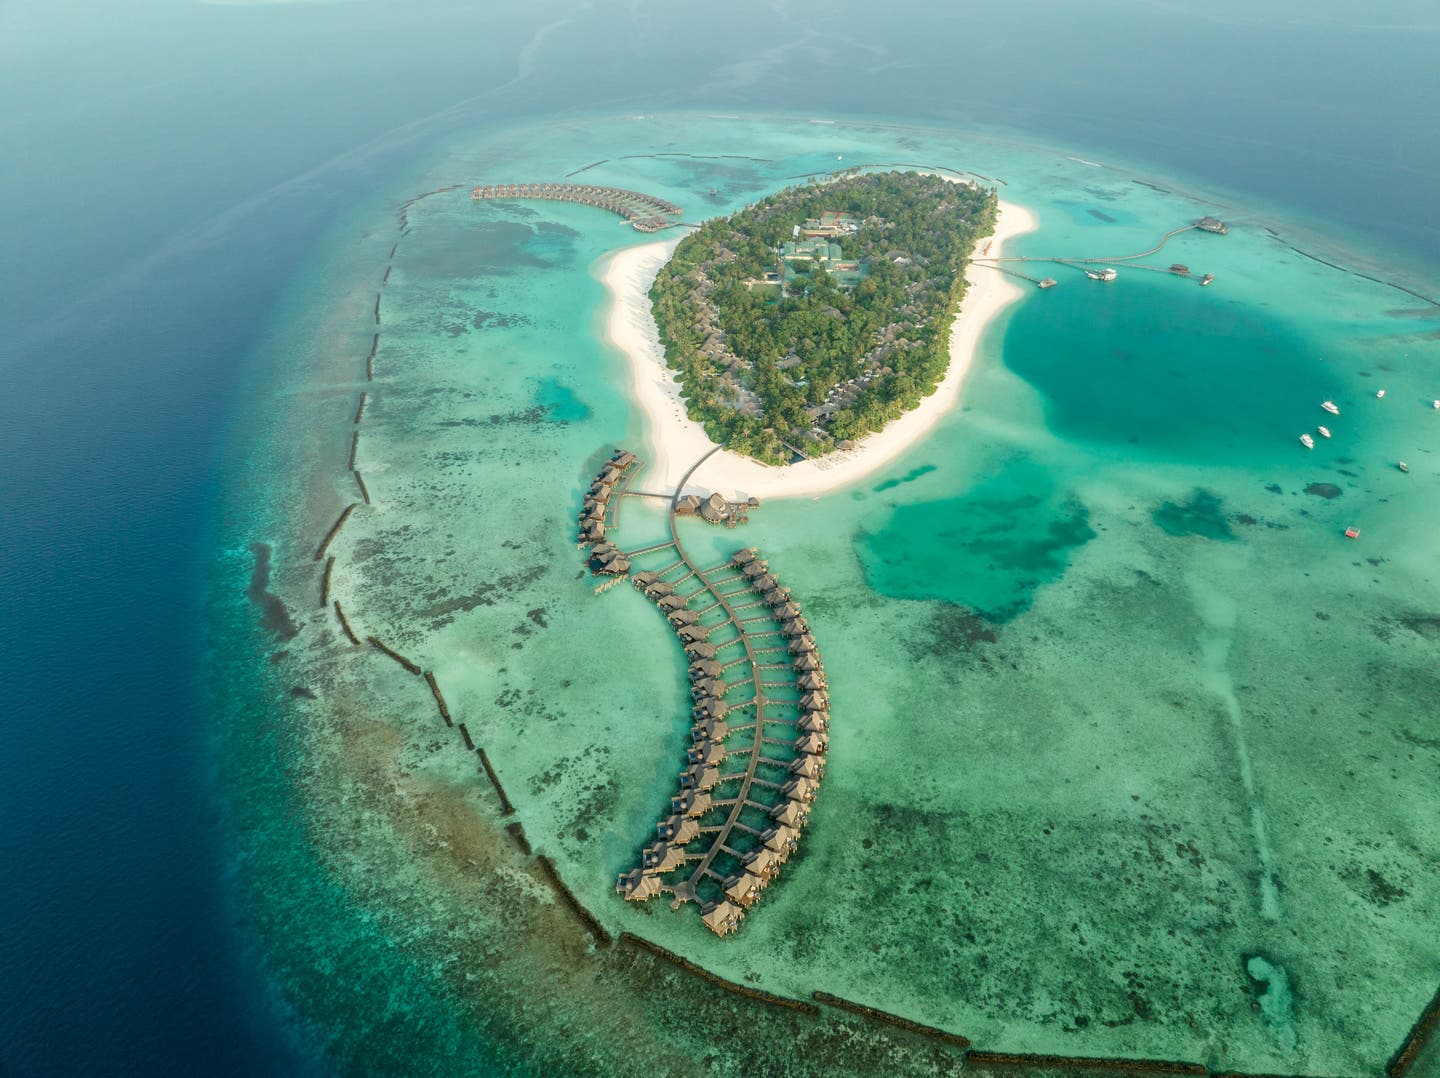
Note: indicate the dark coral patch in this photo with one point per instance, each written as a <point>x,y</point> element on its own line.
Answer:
<point>1203,515</point>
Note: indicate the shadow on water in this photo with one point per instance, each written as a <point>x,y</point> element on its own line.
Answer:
<point>988,550</point>
<point>1159,365</point>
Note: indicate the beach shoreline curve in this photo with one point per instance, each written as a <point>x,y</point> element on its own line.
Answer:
<point>673,441</point>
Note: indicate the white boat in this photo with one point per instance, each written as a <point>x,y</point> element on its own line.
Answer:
<point>1437,404</point>
<point>1329,406</point>
<point>1379,393</point>
<point>1402,465</point>
<point>1307,441</point>
<point>1324,431</point>
<point>1102,275</point>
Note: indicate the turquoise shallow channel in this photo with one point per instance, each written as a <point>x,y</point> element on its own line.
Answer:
<point>1133,753</point>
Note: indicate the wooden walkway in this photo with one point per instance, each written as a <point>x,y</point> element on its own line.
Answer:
<point>759,724</point>
<point>686,891</point>
<point>1066,260</point>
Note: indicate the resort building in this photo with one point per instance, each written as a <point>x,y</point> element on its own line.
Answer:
<point>797,257</point>
<point>830,223</point>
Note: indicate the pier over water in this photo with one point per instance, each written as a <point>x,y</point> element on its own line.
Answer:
<point>759,711</point>
<point>646,213</point>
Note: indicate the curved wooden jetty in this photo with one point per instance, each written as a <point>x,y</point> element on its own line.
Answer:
<point>646,213</point>
<point>759,714</point>
<point>1130,260</point>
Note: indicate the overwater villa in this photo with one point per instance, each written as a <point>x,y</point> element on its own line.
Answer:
<point>732,861</point>
<point>692,803</point>
<point>722,918</point>
<point>813,722</point>
<point>744,889</point>
<point>662,857</point>
<point>709,708</point>
<point>637,885</point>
<point>800,788</point>
<point>678,829</point>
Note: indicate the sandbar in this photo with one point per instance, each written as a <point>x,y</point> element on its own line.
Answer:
<point>673,442</point>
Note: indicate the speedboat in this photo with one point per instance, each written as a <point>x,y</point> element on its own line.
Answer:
<point>1329,406</point>
<point>1307,441</point>
<point>1402,466</point>
<point>1437,404</point>
<point>1324,431</point>
<point>1379,393</point>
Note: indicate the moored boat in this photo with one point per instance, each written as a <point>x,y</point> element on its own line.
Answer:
<point>1324,431</point>
<point>1307,441</point>
<point>1379,393</point>
<point>1402,466</point>
<point>1329,406</point>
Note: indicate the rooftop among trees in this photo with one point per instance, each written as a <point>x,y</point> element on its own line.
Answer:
<point>820,313</point>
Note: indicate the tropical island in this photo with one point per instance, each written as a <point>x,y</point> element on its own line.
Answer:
<point>820,313</point>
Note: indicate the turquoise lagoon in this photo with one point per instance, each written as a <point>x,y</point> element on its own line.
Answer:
<point>1133,753</point>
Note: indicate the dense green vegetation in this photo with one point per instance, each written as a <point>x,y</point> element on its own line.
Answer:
<point>761,370</point>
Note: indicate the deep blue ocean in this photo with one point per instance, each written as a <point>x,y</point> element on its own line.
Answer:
<point>170,166</point>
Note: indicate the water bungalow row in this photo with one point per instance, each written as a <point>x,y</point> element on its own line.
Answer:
<point>596,509</point>
<point>759,736</point>
<point>646,213</point>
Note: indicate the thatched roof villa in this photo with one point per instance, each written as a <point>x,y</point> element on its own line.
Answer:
<point>637,886</point>
<point>699,777</point>
<point>691,803</point>
<point>706,752</point>
<point>812,743</point>
<point>709,708</point>
<point>801,789</point>
<point>715,729</point>
<point>722,918</point>
<point>744,889</point>
<point>678,829</point>
<point>662,857</point>
<point>781,838</point>
<point>790,813</point>
<point>811,767</point>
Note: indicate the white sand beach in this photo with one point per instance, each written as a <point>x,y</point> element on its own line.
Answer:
<point>674,442</point>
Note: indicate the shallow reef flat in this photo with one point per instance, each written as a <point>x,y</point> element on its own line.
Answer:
<point>1132,753</point>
